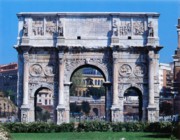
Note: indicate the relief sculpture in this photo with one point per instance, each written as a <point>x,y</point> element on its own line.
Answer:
<point>125,29</point>
<point>35,70</point>
<point>140,70</point>
<point>37,27</point>
<point>50,26</point>
<point>49,70</point>
<point>138,27</point>
<point>125,70</point>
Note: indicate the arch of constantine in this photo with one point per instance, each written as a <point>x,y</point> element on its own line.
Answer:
<point>123,46</point>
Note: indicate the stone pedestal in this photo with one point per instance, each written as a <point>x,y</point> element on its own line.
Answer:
<point>114,40</point>
<point>25,41</point>
<point>117,114</point>
<point>62,114</point>
<point>152,41</point>
<point>152,114</point>
<point>25,113</point>
<point>60,40</point>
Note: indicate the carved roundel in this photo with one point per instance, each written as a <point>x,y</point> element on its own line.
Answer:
<point>140,70</point>
<point>49,70</point>
<point>125,70</point>
<point>36,70</point>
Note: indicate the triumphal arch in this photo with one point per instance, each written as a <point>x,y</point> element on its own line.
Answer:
<point>123,46</point>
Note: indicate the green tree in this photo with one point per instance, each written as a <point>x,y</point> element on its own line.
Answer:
<point>77,81</point>
<point>96,92</point>
<point>166,108</point>
<point>74,108</point>
<point>86,107</point>
<point>41,114</point>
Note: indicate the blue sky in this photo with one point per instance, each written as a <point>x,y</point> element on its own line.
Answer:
<point>169,12</point>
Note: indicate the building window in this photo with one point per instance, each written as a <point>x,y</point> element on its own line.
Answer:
<point>39,100</point>
<point>45,102</point>
<point>95,82</point>
<point>49,102</point>
<point>98,82</point>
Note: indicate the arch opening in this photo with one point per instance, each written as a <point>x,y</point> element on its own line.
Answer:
<point>43,104</point>
<point>132,105</point>
<point>86,93</point>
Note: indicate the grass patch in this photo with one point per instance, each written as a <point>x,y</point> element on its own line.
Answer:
<point>90,136</point>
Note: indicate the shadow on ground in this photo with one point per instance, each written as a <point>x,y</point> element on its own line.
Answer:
<point>158,135</point>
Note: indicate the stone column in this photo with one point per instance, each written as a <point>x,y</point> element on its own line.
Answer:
<point>115,109</point>
<point>115,83</point>
<point>25,106</point>
<point>151,106</point>
<point>61,106</point>
<point>67,101</point>
<point>61,83</point>
<point>107,86</point>
<point>151,78</point>
<point>25,79</point>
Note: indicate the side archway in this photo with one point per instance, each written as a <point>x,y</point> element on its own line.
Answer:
<point>43,102</point>
<point>133,103</point>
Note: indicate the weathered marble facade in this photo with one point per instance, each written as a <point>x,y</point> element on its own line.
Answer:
<point>123,46</point>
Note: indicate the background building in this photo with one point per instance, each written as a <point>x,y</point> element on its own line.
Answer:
<point>7,108</point>
<point>8,80</point>
<point>176,84</point>
<point>165,79</point>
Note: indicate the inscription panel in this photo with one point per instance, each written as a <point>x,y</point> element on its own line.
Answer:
<point>89,27</point>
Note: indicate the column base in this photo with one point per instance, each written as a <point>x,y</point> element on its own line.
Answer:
<point>117,114</point>
<point>25,113</point>
<point>152,113</point>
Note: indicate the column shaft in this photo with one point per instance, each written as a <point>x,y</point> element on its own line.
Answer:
<point>115,84</point>
<point>61,83</point>
<point>151,78</point>
<point>25,80</point>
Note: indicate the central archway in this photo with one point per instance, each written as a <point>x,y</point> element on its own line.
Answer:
<point>87,93</point>
<point>132,104</point>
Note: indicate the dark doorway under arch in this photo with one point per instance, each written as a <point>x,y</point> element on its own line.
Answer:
<point>96,112</point>
<point>43,104</point>
<point>132,104</point>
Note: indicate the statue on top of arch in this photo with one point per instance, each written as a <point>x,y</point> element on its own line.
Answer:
<point>60,29</point>
<point>150,29</point>
<point>25,29</point>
